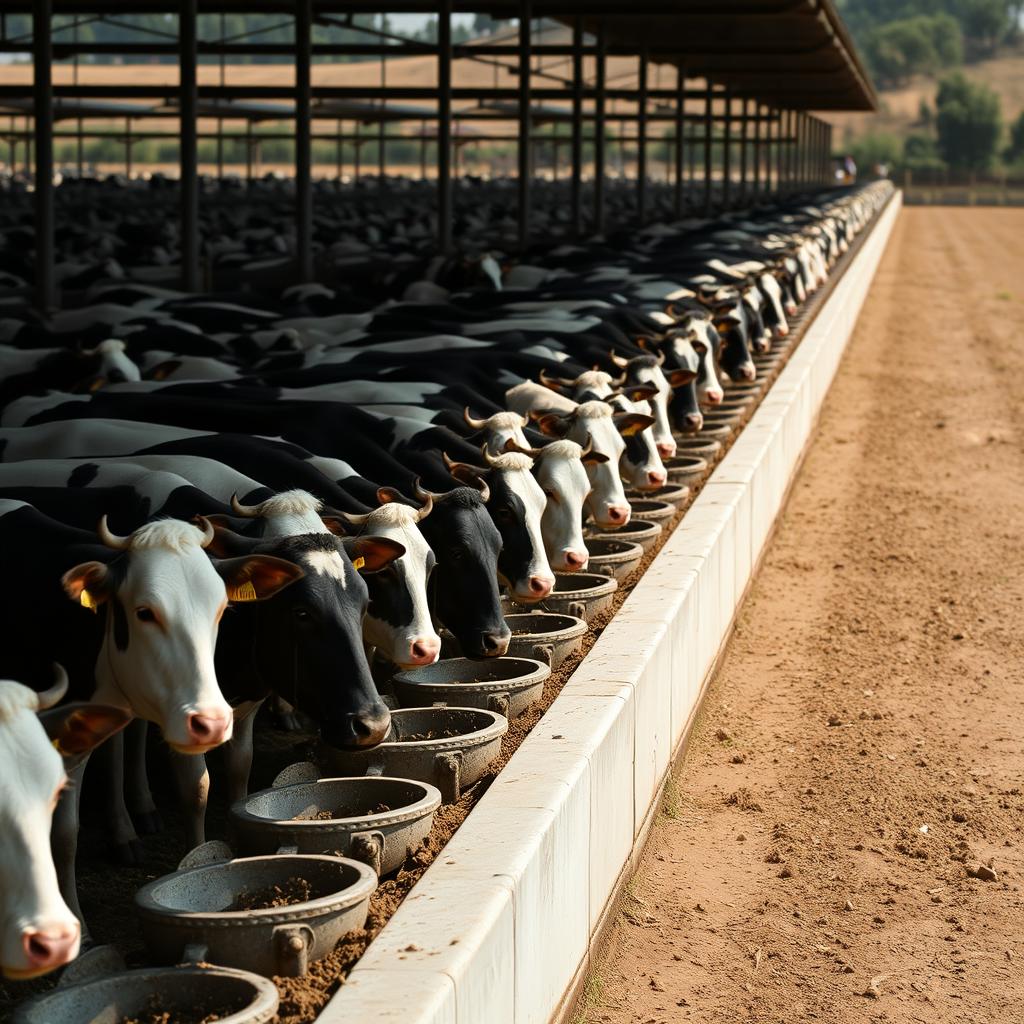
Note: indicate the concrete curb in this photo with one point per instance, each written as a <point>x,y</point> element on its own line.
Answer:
<point>500,926</point>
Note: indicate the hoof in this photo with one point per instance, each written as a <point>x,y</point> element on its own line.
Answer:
<point>128,855</point>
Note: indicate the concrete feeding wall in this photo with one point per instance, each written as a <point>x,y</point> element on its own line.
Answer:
<point>499,928</point>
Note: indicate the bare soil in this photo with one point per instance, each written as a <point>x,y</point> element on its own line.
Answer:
<point>842,841</point>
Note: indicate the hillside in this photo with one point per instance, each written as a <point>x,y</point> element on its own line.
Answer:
<point>1004,74</point>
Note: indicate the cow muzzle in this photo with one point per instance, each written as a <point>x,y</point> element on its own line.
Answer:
<point>361,729</point>
<point>46,949</point>
<point>424,650</point>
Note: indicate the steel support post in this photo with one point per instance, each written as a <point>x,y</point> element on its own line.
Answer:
<point>708,125</point>
<point>641,139</point>
<point>42,108</point>
<point>444,126</point>
<point>680,136</point>
<point>769,122</point>
<point>188,146</point>
<point>303,140</point>
<point>744,144</point>
<point>525,171</point>
<point>727,153</point>
<point>758,153</point>
<point>576,182</point>
<point>599,128</point>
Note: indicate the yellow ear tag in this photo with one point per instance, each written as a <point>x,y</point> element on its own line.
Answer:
<point>243,592</point>
<point>358,563</point>
<point>86,600</point>
<point>56,746</point>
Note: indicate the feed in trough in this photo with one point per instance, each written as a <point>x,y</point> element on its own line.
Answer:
<point>284,894</point>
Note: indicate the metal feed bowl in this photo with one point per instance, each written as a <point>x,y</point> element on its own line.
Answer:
<point>241,997</point>
<point>616,558</point>
<point>288,816</point>
<point>682,469</point>
<point>637,531</point>
<point>545,636</point>
<point>506,685</point>
<point>651,510</point>
<point>185,915</point>
<point>583,594</point>
<point>674,494</point>
<point>704,448</point>
<point>451,763</point>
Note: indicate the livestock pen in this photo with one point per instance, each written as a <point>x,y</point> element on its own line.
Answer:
<point>648,351</point>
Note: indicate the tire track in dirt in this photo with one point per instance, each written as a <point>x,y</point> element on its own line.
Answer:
<point>864,740</point>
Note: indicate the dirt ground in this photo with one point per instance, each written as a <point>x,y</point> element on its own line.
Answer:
<point>862,748</point>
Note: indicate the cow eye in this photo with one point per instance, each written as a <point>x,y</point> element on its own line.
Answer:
<point>301,613</point>
<point>145,614</point>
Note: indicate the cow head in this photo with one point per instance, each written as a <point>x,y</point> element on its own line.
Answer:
<point>516,503</point>
<point>38,932</point>
<point>307,643</point>
<point>561,470</point>
<point>465,583</point>
<point>161,598</point>
<point>398,620</point>
<point>652,372</point>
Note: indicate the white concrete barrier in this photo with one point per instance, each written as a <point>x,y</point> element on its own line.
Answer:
<point>499,928</point>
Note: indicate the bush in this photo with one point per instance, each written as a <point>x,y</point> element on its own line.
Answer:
<point>969,123</point>
<point>877,148</point>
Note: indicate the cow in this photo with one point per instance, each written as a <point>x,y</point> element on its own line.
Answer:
<point>38,742</point>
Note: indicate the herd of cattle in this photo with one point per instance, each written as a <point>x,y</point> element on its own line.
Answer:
<point>340,480</point>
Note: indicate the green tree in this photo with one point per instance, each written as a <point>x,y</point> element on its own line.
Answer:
<point>1015,151</point>
<point>985,22</point>
<point>913,46</point>
<point>969,122</point>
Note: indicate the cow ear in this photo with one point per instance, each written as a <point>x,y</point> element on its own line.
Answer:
<point>162,370</point>
<point>87,584</point>
<point>371,554</point>
<point>226,543</point>
<point>639,392</point>
<point>385,495</point>
<point>553,425</point>
<point>77,729</point>
<point>677,378</point>
<point>594,458</point>
<point>335,524</point>
<point>256,577</point>
<point>631,423</point>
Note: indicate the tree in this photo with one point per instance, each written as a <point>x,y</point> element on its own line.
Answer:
<point>985,22</point>
<point>912,46</point>
<point>1015,151</point>
<point>969,123</point>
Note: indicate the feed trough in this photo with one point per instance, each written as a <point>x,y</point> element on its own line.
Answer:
<point>546,636</point>
<point>188,994</point>
<point>272,914</point>
<point>675,494</point>
<point>616,558</point>
<point>506,685</point>
<point>727,413</point>
<point>637,531</point>
<point>650,510</point>
<point>683,469</point>
<point>368,818</point>
<point>583,594</point>
<point>449,747</point>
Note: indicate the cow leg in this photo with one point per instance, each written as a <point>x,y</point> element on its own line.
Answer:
<point>238,752</point>
<point>64,842</point>
<point>137,793</point>
<point>194,788</point>
<point>125,846</point>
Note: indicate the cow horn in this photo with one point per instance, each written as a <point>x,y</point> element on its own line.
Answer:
<point>485,491</point>
<point>112,540</point>
<point>550,382</point>
<point>471,421</point>
<point>618,360</point>
<point>354,518</point>
<point>426,507</point>
<point>587,448</point>
<point>660,356</point>
<point>209,532</point>
<point>55,694</point>
<point>511,445</point>
<point>245,511</point>
<point>422,494</point>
